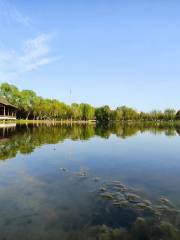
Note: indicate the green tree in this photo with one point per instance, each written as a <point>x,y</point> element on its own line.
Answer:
<point>156,115</point>
<point>76,112</point>
<point>119,114</point>
<point>178,115</point>
<point>10,92</point>
<point>27,101</point>
<point>87,111</point>
<point>103,114</point>
<point>126,113</point>
<point>169,114</point>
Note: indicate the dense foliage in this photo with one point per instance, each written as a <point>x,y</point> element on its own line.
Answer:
<point>31,106</point>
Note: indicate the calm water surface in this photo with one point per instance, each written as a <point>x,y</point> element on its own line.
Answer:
<point>67,182</point>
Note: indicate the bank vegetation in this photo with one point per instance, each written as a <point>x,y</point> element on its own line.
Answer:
<point>33,107</point>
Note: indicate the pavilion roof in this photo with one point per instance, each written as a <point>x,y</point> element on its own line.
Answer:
<point>3,101</point>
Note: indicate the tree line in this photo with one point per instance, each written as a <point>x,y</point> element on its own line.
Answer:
<point>31,106</point>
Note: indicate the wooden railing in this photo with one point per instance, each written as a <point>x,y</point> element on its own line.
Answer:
<point>7,117</point>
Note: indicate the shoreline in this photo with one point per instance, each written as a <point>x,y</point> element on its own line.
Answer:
<point>24,121</point>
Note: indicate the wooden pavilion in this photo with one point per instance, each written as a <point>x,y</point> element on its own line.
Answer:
<point>7,110</point>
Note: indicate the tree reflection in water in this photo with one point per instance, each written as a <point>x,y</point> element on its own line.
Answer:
<point>103,219</point>
<point>25,138</point>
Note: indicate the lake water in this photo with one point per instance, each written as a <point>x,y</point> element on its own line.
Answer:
<point>87,182</point>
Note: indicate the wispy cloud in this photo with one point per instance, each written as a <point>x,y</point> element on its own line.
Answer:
<point>37,53</point>
<point>10,14</point>
<point>34,54</point>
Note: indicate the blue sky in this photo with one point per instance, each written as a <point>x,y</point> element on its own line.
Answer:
<point>106,51</point>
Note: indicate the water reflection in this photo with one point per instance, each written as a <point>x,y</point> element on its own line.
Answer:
<point>103,184</point>
<point>25,138</point>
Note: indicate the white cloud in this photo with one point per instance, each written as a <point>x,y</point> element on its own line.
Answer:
<point>34,54</point>
<point>10,14</point>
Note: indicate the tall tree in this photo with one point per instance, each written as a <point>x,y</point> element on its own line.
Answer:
<point>103,113</point>
<point>27,102</point>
